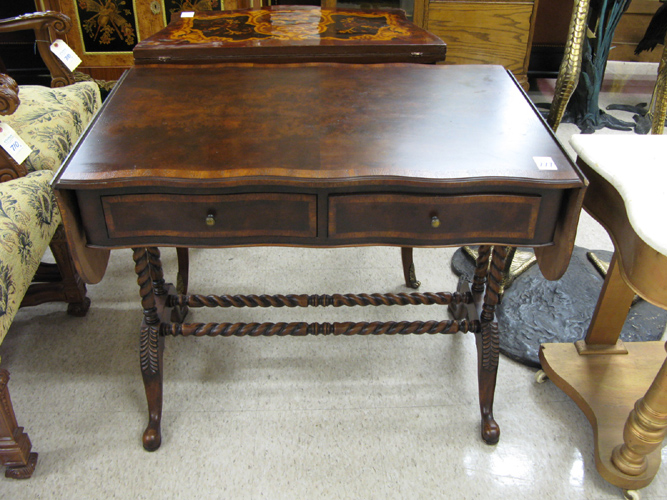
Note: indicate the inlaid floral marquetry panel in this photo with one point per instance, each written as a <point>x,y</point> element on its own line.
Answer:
<point>107,25</point>
<point>104,32</point>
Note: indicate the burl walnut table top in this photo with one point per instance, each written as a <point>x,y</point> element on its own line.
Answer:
<point>321,154</point>
<point>321,123</point>
<point>291,34</point>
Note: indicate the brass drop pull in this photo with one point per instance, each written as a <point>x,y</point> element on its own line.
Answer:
<point>210,220</point>
<point>435,222</point>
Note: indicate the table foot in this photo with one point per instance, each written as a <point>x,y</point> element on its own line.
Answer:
<point>490,430</point>
<point>23,471</point>
<point>152,438</point>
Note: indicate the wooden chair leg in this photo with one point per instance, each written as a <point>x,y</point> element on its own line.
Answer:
<point>14,443</point>
<point>65,285</point>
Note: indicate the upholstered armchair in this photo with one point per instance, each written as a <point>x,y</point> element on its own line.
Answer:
<point>49,121</point>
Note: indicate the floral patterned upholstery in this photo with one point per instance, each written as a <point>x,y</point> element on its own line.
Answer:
<point>28,219</point>
<point>50,120</point>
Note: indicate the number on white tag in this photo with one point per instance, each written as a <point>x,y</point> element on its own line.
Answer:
<point>13,144</point>
<point>65,54</point>
<point>545,163</point>
<point>187,14</point>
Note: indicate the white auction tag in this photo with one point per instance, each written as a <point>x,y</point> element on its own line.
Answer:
<point>65,54</point>
<point>187,14</point>
<point>13,144</point>
<point>545,163</point>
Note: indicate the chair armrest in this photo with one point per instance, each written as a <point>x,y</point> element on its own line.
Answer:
<point>46,25</point>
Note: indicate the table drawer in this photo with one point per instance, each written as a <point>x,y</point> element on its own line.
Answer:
<point>433,219</point>
<point>252,215</point>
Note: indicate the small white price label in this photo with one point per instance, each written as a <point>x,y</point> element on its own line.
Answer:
<point>187,14</point>
<point>545,163</point>
<point>65,54</point>
<point>13,144</point>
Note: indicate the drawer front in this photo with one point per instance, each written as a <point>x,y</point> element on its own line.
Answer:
<point>433,219</point>
<point>253,215</point>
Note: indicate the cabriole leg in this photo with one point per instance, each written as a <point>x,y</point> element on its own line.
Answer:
<point>488,343</point>
<point>151,342</point>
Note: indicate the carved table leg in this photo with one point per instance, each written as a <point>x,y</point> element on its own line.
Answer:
<point>73,286</point>
<point>481,269</point>
<point>161,288</point>
<point>409,268</point>
<point>488,343</point>
<point>183,270</point>
<point>14,443</point>
<point>644,429</point>
<point>151,342</point>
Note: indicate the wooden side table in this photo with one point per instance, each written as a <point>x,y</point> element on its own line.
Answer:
<point>605,377</point>
<point>369,154</point>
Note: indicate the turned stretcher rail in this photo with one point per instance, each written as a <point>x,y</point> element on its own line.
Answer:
<point>303,329</point>
<point>336,300</point>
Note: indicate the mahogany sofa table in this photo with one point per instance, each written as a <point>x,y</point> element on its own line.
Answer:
<point>319,155</point>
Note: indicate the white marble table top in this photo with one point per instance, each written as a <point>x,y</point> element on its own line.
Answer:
<point>636,165</point>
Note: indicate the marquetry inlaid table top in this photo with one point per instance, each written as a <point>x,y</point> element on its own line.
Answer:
<point>291,34</point>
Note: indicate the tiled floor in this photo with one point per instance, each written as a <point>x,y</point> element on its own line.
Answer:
<point>295,418</point>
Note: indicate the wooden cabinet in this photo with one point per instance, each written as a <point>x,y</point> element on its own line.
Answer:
<point>484,31</point>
